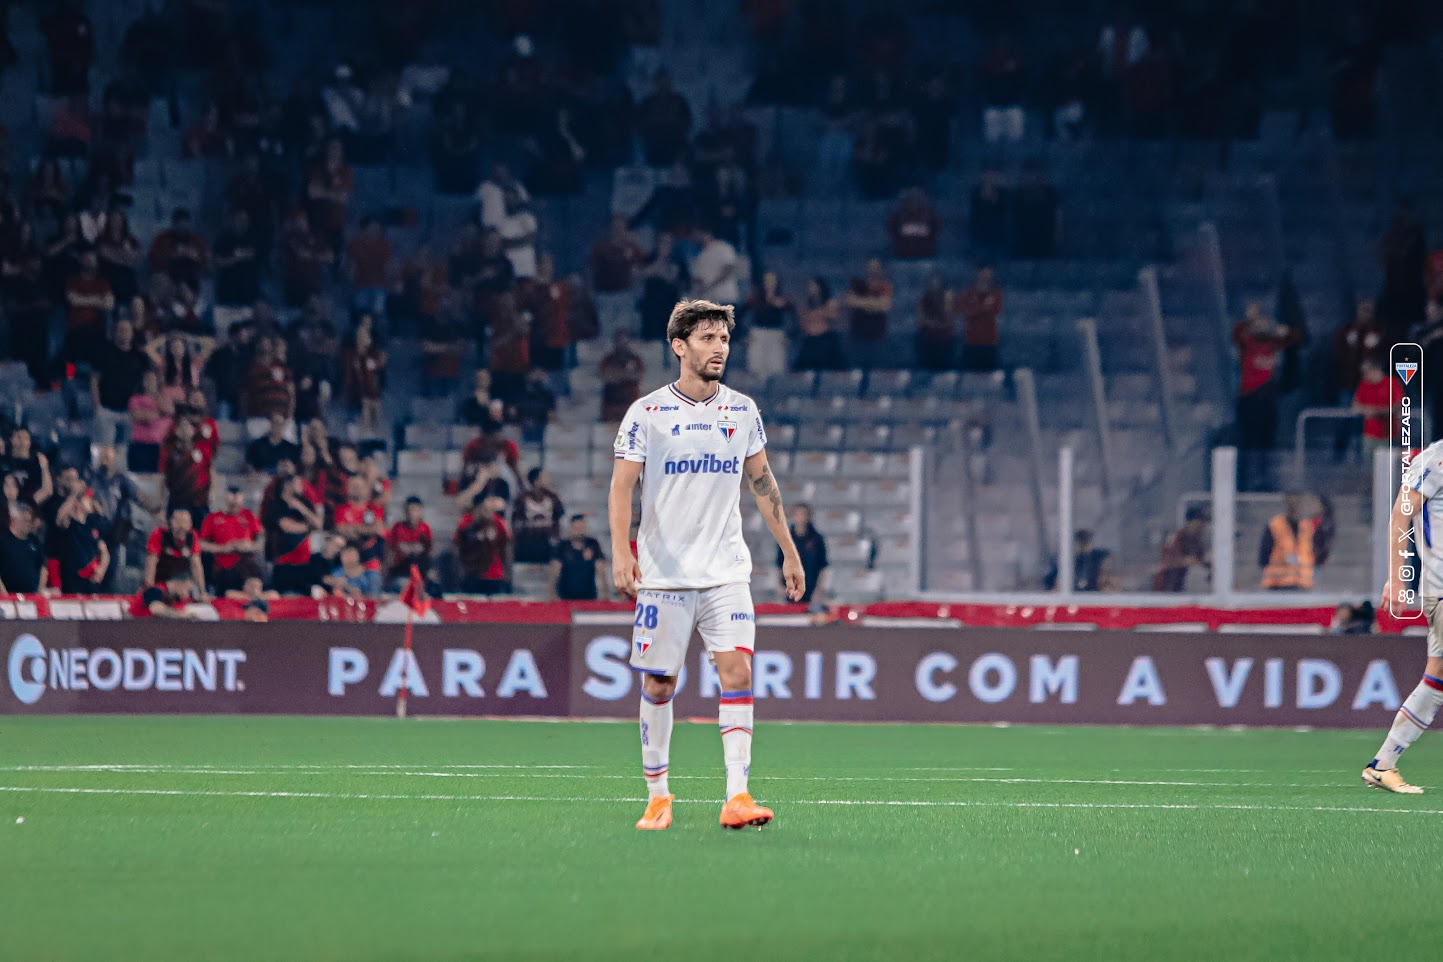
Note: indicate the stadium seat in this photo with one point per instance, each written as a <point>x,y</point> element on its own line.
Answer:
<point>944,384</point>
<point>888,492</point>
<point>880,383</point>
<point>823,436</point>
<point>603,437</point>
<point>576,437</point>
<point>602,461</point>
<point>807,465</point>
<point>781,462</point>
<point>860,464</point>
<point>420,463</point>
<point>855,585</point>
<point>910,435</point>
<point>432,410</point>
<point>872,408</point>
<point>884,523</point>
<point>869,437</point>
<point>837,493</point>
<point>460,435</point>
<point>783,436</point>
<point>433,436</point>
<point>837,520</point>
<point>568,463</point>
<point>839,383</point>
<point>848,549</point>
<point>793,383</point>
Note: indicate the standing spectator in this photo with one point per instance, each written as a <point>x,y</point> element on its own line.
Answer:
<point>369,255</point>
<point>664,121</point>
<point>1091,566</point>
<point>228,365</point>
<point>913,226</point>
<point>980,306</point>
<point>185,471</point>
<point>1260,347</point>
<point>812,548</point>
<point>88,302</point>
<point>115,377</point>
<point>30,469</point>
<point>769,313</point>
<point>179,252</point>
<point>362,522</point>
<point>482,543</point>
<point>936,330</point>
<point>821,348</point>
<point>305,255</point>
<point>716,270</point>
<point>237,272</point>
<point>621,373</point>
<point>118,254</point>
<point>1002,82</point>
<point>151,413</point>
<point>1286,550</point>
<point>1377,398</point>
<point>1360,339</point>
<point>612,261</point>
<point>410,542</point>
<point>329,187</point>
<point>534,405</point>
<point>869,300</point>
<point>537,519</point>
<point>174,549</point>
<point>661,285</point>
<point>510,347</point>
<point>70,39</point>
<point>266,452</point>
<point>22,555</point>
<point>116,497</point>
<point>549,303</point>
<point>351,578</point>
<point>506,209</point>
<point>475,408</point>
<point>365,370</point>
<point>270,387</point>
<point>1185,549</point>
<point>988,212</point>
<point>672,206</point>
<point>456,152</point>
<point>180,361</point>
<point>27,302</point>
<point>578,565</point>
<point>231,539</point>
<point>934,108</point>
<point>295,516</point>
<point>84,555</point>
<point>1036,215</point>
<point>726,202</point>
<point>443,348</point>
<point>425,284</point>
<point>488,468</point>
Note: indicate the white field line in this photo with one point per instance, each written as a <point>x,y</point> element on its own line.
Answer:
<point>886,803</point>
<point>392,773</point>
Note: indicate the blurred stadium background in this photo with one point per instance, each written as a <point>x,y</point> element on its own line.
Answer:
<point>507,187</point>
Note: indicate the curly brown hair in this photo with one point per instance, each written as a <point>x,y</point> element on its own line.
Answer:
<point>688,315</point>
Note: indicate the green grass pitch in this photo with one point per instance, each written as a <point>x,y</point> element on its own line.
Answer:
<point>371,839</point>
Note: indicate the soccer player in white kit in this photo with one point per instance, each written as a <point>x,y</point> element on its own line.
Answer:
<point>1417,520</point>
<point>692,444</point>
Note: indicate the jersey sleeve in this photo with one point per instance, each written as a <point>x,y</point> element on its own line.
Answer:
<point>1426,476</point>
<point>757,436</point>
<point>631,437</point>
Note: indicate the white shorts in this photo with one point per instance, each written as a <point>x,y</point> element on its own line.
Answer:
<point>1435,626</point>
<point>665,619</point>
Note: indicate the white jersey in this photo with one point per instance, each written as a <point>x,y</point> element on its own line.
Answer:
<point>1425,475</point>
<point>691,521</point>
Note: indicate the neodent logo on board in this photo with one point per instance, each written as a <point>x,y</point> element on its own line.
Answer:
<point>34,669</point>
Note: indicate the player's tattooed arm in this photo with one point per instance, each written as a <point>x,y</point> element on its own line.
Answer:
<point>764,486</point>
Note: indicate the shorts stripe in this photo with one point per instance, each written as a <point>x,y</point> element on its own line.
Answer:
<point>747,650</point>
<point>651,671</point>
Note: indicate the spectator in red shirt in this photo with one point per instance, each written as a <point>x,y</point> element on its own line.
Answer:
<point>230,538</point>
<point>869,298</point>
<point>174,549</point>
<point>1358,340</point>
<point>482,543</point>
<point>1377,398</point>
<point>1260,345</point>
<point>936,327</point>
<point>362,522</point>
<point>914,226</point>
<point>185,470</point>
<point>88,301</point>
<point>295,516</point>
<point>411,543</point>
<point>269,388</point>
<point>172,598</point>
<point>329,188</point>
<point>180,252</point>
<point>364,369</point>
<point>980,307</point>
<point>369,254</point>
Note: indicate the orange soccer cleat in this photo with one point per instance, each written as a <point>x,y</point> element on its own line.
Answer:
<point>658,814</point>
<point>741,811</point>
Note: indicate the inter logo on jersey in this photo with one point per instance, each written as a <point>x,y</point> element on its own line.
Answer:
<point>727,428</point>
<point>1406,370</point>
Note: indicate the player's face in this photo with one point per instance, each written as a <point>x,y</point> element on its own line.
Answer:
<point>705,352</point>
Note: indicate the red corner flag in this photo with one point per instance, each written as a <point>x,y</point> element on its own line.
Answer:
<point>413,596</point>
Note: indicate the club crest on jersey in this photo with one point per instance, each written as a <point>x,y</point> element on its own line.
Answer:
<point>1406,370</point>
<point>642,644</point>
<point>727,428</point>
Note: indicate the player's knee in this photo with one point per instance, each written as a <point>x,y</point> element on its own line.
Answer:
<point>658,687</point>
<point>735,676</point>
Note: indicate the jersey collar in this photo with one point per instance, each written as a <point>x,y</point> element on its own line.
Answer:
<point>677,391</point>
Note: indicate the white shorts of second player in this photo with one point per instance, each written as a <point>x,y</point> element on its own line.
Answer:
<point>665,619</point>
<point>1434,614</point>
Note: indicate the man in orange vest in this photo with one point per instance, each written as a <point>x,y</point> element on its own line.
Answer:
<point>1286,554</point>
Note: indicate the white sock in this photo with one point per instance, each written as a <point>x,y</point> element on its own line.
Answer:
<point>735,719</point>
<point>1417,713</point>
<point>655,743</point>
